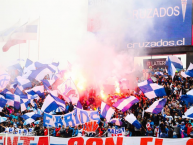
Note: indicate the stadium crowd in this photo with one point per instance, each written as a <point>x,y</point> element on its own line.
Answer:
<point>167,124</point>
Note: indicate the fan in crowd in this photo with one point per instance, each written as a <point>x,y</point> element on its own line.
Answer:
<point>168,123</point>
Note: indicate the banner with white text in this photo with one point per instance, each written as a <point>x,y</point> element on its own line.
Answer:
<point>41,140</point>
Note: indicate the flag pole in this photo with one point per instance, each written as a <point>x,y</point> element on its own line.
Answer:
<point>28,47</point>
<point>39,39</point>
<point>19,53</point>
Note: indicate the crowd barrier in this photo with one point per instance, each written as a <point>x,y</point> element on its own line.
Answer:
<point>45,140</point>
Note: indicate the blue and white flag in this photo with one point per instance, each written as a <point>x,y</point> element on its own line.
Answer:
<point>37,122</point>
<point>53,93</point>
<point>69,91</point>
<point>24,104</point>
<point>4,92</point>
<point>177,63</point>
<point>60,109</point>
<point>15,69</point>
<point>30,117</point>
<point>188,97</point>
<point>189,72</point>
<point>23,82</point>
<point>48,83</point>
<point>18,91</point>
<point>159,73</point>
<point>171,68</point>
<point>13,100</point>
<point>48,64</point>
<point>13,85</point>
<point>189,113</point>
<point>3,102</point>
<point>4,81</point>
<point>107,111</point>
<point>40,73</point>
<point>117,121</point>
<point>36,90</point>
<point>133,120</point>
<point>157,106</point>
<point>125,103</point>
<point>42,63</point>
<point>151,90</point>
<point>3,119</point>
<point>29,66</point>
<point>52,103</point>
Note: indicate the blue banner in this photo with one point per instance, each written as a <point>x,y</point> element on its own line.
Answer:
<point>117,132</point>
<point>150,23</point>
<point>74,118</point>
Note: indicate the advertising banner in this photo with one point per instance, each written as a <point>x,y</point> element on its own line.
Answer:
<point>146,24</point>
<point>154,63</point>
<point>41,140</point>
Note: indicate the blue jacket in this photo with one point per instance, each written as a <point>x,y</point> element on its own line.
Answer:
<point>75,132</point>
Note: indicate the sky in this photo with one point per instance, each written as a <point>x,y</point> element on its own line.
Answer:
<point>62,26</point>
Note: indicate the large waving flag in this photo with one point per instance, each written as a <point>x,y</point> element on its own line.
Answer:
<point>69,91</point>
<point>106,111</point>
<point>23,82</point>
<point>171,68</point>
<point>36,90</point>
<point>157,106</point>
<point>4,35</point>
<point>48,83</point>
<point>151,90</point>
<point>30,117</point>
<point>29,66</point>
<point>189,113</point>
<point>19,91</point>
<point>177,63</point>
<point>126,103</point>
<point>52,103</point>
<point>188,98</point>
<point>189,72</point>
<point>28,31</point>
<point>13,100</point>
<point>53,66</point>
<point>40,73</point>
<point>133,120</point>
<point>3,102</point>
<point>11,43</point>
<point>24,104</point>
<point>15,69</point>
<point>42,63</point>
